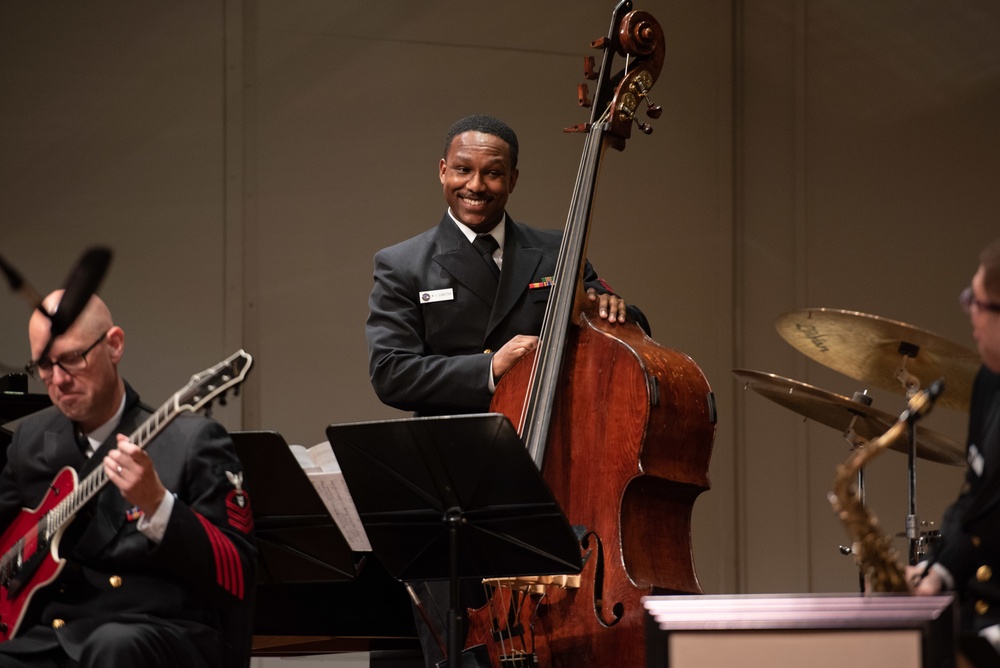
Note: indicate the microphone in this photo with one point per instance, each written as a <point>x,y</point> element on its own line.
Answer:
<point>79,287</point>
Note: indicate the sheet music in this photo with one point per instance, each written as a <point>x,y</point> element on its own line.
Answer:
<point>323,470</point>
<point>304,458</point>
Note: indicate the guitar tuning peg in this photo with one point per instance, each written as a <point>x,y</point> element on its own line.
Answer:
<point>589,72</point>
<point>653,110</point>
<point>582,95</point>
<point>208,409</point>
<point>222,399</point>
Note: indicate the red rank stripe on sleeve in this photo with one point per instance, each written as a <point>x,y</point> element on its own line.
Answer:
<point>238,510</point>
<point>228,567</point>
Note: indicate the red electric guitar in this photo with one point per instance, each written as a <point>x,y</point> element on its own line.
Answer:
<point>30,545</point>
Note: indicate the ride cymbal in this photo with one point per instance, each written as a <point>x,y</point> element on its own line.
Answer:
<point>887,354</point>
<point>838,411</point>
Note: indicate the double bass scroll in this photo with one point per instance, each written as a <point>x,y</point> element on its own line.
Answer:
<point>620,426</point>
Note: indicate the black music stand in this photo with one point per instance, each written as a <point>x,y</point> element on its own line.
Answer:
<point>297,540</point>
<point>453,497</point>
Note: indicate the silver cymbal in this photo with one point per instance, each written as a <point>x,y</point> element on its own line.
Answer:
<point>838,411</point>
<point>887,354</point>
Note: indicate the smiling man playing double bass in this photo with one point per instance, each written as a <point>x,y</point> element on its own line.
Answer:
<point>444,324</point>
<point>437,307</point>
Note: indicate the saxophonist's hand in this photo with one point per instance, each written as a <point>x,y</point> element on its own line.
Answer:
<point>923,580</point>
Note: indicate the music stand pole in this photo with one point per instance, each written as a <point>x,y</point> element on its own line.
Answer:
<point>454,518</point>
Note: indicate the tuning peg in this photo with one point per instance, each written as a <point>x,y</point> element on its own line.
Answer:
<point>222,399</point>
<point>626,112</point>
<point>579,127</point>
<point>208,409</point>
<point>642,90</point>
<point>582,95</point>
<point>588,68</point>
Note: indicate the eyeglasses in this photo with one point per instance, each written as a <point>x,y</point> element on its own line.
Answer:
<point>968,300</point>
<point>71,362</point>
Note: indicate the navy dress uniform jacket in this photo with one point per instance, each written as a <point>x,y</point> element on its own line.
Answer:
<point>970,542</point>
<point>436,309</point>
<point>200,578</point>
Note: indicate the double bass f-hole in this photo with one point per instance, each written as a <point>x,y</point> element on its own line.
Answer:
<point>618,609</point>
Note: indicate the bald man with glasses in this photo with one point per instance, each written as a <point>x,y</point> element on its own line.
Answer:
<point>160,562</point>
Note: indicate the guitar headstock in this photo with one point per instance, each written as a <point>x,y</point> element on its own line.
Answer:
<point>213,383</point>
<point>638,37</point>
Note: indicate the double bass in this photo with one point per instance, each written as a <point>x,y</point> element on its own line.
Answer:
<point>620,427</point>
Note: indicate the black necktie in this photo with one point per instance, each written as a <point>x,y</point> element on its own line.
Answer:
<point>486,244</point>
<point>81,440</point>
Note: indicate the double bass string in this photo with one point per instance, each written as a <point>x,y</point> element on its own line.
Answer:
<point>505,614</point>
<point>540,393</point>
<point>536,411</point>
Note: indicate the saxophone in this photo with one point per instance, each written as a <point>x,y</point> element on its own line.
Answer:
<point>873,551</point>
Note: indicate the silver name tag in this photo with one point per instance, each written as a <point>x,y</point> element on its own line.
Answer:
<point>428,296</point>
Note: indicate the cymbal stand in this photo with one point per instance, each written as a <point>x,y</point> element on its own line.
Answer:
<point>912,523</point>
<point>911,385</point>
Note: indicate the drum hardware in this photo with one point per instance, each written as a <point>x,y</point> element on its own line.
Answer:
<point>858,422</point>
<point>890,355</point>
<point>927,538</point>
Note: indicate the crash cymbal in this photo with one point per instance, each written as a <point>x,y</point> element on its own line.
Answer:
<point>837,411</point>
<point>887,354</point>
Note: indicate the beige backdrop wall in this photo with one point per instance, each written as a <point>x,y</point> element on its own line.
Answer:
<point>244,160</point>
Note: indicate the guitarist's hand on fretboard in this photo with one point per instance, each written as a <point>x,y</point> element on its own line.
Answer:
<point>131,470</point>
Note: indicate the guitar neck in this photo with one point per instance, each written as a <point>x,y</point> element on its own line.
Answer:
<point>95,481</point>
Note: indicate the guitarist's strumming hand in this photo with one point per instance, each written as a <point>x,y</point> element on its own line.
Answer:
<point>131,470</point>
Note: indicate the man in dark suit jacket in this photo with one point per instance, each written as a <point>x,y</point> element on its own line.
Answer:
<point>437,307</point>
<point>967,559</point>
<point>444,326</point>
<point>160,563</point>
